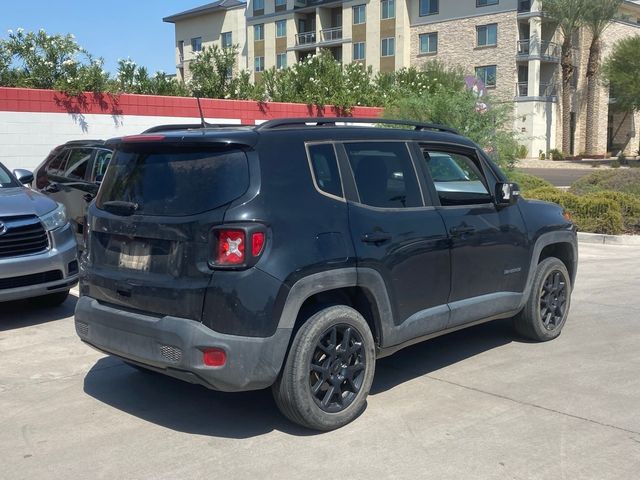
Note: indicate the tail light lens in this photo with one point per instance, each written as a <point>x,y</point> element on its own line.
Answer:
<point>237,247</point>
<point>214,357</point>
<point>230,247</point>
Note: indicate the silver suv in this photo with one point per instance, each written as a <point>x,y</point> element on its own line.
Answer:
<point>37,246</point>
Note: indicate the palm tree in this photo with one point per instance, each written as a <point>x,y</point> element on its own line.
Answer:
<point>598,16</point>
<point>569,16</point>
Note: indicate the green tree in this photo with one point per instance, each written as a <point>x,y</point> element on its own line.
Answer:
<point>598,16</point>
<point>132,78</point>
<point>214,74</point>
<point>569,15</point>
<point>621,73</point>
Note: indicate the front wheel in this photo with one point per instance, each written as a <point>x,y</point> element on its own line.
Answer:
<point>547,308</point>
<point>328,374</point>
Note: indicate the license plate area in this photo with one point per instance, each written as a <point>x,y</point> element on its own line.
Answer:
<point>134,255</point>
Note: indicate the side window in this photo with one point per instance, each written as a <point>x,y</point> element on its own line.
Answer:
<point>77,164</point>
<point>103,157</point>
<point>57,164</point>
<point>384,174</point>
<point>322,158</point>
<point>457,178</point>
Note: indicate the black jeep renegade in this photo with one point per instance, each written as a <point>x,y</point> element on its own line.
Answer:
<point>293,254</point>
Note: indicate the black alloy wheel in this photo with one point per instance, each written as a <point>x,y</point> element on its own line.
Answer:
<point>337,368</point>
<point>553,300</point>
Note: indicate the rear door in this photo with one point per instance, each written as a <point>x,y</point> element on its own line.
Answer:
<point>397,233</point>
<point>489,246</point>
<point>151,223</point>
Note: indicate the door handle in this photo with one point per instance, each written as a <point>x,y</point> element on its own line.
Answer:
<point>376,237</point>
<point>88,197</point>
<point>461,230</point>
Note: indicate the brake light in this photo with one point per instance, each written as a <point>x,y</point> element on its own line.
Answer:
<point>143,138</point>
<point>214,357</point>
<point>230,247</point>
<point>257,242</point>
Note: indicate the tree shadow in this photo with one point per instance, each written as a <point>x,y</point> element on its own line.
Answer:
<point>185,407</point>
<point>27,313</point>
<point>193,409</point>
<point>79,105</point>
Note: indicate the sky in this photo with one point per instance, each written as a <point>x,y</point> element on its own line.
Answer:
<point>111,29</point>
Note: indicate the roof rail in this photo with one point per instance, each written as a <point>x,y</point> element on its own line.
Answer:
<point>331,121</point>
<point>188,126</point>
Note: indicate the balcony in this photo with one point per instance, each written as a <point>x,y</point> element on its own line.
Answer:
<point>547,90</point>
<point>331,34</point>
<point>549,51</point>
<point>306,38</point>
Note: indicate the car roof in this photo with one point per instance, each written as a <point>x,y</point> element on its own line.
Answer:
<point>305,129</point>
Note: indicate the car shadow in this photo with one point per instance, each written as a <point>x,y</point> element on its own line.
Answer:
<point>27,313</point>
<point>193,409</point>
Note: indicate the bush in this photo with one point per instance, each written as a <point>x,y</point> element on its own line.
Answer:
<point>629,206</point>
<point>528,182</point>
<point>556,155</point>
<point>627,181</point>
<point>591,213</point>
<point>523,152</point>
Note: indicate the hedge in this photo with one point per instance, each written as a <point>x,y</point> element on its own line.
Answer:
<point>528,182</point>
<point>596,213</point>
<point>625,181</point>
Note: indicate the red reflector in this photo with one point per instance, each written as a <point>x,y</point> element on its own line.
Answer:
<point>214,357</point>
<point>142,138</point>
<point>257,242</point>
<point>230,250</point>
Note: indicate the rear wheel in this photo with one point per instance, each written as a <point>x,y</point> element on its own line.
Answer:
<point>53,299</point>
<point>328,373</point>
<point>547,308</point>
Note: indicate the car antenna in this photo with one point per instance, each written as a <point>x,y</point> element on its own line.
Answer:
<point>202,120</point>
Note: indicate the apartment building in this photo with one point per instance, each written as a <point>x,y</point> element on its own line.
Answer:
<point>221,23</point>
<point>508,44</point>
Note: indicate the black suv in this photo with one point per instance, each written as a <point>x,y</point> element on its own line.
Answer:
<point>295,253</point>
<point>71,175</point>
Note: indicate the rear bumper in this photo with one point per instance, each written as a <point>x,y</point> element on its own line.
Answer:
<point>60,257</point>
<point>173,346</point>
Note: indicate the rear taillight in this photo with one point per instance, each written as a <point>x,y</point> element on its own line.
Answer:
<point>214,357</point>
<point>230,247</point>
<point>237,247</point>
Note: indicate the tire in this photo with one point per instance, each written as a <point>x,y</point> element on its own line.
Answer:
<point>318,362</point>
<point>53,299</point>
<point>547,307</point>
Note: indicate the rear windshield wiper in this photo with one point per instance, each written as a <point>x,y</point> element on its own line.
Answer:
<point>120,208</point>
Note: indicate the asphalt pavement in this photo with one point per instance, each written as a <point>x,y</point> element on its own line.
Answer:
<point>560,177</point>
<point>480,403</point>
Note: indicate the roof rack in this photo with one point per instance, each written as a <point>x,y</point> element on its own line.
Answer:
<point>331,121</point>
<point>188,126</point>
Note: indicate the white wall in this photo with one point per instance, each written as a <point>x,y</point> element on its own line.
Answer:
<point>27,138</point>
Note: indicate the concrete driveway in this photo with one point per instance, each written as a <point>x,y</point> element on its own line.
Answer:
<point>475,404</point>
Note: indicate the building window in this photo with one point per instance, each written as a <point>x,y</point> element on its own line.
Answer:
<point>388,48</point>
<point>281,28</point>
<point>358,51</point>
<point>429,7</point>
<point>487,35</point>
<point>359,14</point>
<point>484,3</point>
<point>429,43</point>
<point>258,32</point>
<point>226,39</point>
<point>487,74</point>
<point>196,44</point>
<point>259,64</point>
<point>281,61</point>
<point>281,3</point>
<point>258,5</point>
<point>388,8</point>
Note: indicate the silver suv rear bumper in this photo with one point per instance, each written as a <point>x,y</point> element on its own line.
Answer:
<point>61,256</point>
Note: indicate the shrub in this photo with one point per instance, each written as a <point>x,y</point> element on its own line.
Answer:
<point>590,213</point>
<point>627,181</point>
<point>556,155</point>
<point>615,164</point>
<point>523,152</point>
<point>528,182</point>
<point>629,206</point>
<point>542,155</point>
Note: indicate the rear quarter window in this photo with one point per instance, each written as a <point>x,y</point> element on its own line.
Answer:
<point>175,180</point>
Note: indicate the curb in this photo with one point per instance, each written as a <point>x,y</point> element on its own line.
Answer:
<point>602,239</point>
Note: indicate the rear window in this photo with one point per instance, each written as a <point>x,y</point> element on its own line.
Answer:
<point>175,180</point>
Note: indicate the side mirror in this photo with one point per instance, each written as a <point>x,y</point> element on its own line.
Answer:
<point>507,193</point>
<point>25,177</point>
